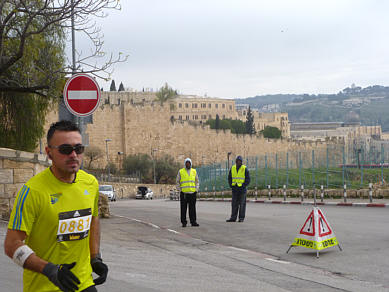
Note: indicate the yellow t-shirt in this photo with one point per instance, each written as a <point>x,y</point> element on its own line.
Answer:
<point>56,217</point>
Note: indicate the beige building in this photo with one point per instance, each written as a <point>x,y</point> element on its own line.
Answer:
<point>385,136</point>
<point>322,131</point>
<point>199,109</point>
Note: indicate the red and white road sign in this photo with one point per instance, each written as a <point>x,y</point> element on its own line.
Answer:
<point>81,95</point>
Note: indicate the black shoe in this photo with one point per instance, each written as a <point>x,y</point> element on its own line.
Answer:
<point>183,224</point>
<point>195,224</point>
<point>230,220</point>
<point>241,220</point>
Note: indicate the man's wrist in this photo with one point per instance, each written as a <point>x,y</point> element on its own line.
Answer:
<point>96,256</point>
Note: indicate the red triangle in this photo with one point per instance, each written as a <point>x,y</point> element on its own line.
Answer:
<point>322,225</point>
<point>310,228</point>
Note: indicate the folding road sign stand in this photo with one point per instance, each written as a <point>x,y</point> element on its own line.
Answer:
<point>316,233</point>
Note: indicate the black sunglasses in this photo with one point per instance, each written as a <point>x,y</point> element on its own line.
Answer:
<point>67,148</point>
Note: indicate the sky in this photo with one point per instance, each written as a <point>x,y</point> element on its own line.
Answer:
<point>244,48</point>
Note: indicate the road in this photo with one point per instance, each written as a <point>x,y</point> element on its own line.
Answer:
<point>147,250</point>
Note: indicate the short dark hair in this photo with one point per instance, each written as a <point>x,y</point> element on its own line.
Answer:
<point>66,126</point>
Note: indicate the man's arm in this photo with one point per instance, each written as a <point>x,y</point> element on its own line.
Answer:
<point>247,178</point>
<point>15,239</point>
<point>230,179</point>
<point>94,237</point>
<point>97,264</point>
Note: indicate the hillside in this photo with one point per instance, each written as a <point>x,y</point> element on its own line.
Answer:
<point>369,105</point>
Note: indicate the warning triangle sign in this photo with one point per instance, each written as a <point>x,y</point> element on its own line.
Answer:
<point>309,226</point>
<point>316,232</point>
<point>324,228</point>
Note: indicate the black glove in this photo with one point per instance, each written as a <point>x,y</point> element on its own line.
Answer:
<point>61,276</point>
<point>100,269</point>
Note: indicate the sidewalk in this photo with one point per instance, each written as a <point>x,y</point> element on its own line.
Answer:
<point>309,201</point>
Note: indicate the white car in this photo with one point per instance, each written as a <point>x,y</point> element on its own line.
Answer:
<point>109,191</point>
<point>144,193</point>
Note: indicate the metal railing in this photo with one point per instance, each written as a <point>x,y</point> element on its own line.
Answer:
<point>333,167</point>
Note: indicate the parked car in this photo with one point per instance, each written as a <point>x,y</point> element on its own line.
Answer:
<point>109,191</point>
<point>174,195</point>
<point>144,193</point>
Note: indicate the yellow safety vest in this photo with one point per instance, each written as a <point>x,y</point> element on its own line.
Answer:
<point>188,182</point>
<point>238,177</point>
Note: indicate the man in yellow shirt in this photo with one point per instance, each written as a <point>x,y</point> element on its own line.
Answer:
<point>54,230</point>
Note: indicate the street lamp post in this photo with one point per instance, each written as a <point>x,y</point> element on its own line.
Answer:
<point>152,154</point>
<point>228,159</point>
<point>106,151</point>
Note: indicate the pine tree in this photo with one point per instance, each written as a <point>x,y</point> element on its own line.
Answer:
<point>121,87</point>
<point>250,126</point>
<point>217,122</point>
<point>113,86</point>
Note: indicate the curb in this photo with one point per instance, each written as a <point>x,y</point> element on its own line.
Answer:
<point>342,204</point>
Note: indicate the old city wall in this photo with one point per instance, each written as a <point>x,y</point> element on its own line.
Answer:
<point>141,129</point>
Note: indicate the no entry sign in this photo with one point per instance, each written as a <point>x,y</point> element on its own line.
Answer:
<point>81,95</point>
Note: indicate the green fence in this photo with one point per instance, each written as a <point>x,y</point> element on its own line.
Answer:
<point>331,167</point>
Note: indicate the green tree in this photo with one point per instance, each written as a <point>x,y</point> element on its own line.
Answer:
<point>165,93</point>
<point>113,86</point>
<point>271,132</point>
<point>22,109</point>
<point>32,62</point>
<point>141,163</point>
<point>166,170</point>
<point>92,153</point>
<point>236,126</point>
<point>250,126</point>
<point>24,22</point>
<point>217,122</point>
<point>121,87</point>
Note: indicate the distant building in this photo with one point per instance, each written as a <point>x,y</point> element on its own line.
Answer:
<point>323,130</point>
<point>200,109</point>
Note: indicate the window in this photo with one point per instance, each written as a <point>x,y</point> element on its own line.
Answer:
<point>223,105</point>
<point>180,105</point>
<point>180,118</point>
<point>203,105</point>
<point>224,116</point>
<point>231,107</point>
<point>187,118</point>
<point>186,105</point>
<point>216,106</point>
<point>209,105</point>
<point>194,105</point>
<point>210,117</point>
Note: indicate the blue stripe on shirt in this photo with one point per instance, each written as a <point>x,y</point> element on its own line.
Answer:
<point>17,207</point>
<point>21,210</point>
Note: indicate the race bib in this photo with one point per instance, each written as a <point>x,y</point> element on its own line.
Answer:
<point>74,225</point>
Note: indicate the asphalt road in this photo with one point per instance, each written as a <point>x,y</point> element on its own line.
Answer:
<point>147,250</point>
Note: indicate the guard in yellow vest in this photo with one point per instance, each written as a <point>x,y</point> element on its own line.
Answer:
<point>238,179</point>
<point>187,182</point>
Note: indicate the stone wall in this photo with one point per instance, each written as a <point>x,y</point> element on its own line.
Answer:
<point>16,167</point>
<point>128,190</point>
<point>137,129</point>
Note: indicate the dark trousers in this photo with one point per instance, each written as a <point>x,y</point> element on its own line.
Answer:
<point>185,200</point>
<point>238,203</point>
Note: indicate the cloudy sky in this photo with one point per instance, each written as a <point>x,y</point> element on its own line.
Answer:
<point>243,48</point>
